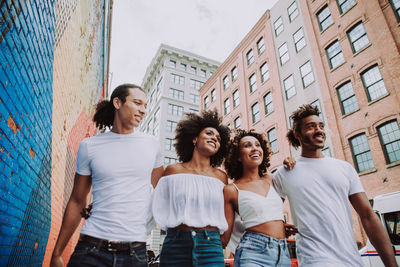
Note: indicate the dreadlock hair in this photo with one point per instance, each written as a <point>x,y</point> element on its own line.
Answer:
<point>190,127</point>
<point>232,164</point>
<point>297,115</point>
<point>105,110</point>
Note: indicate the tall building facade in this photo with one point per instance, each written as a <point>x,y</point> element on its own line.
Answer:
<point>342,56</point>
<point>172,82</point>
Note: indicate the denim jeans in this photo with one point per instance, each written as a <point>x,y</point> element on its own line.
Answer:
<point>86,254</point>
<point>260,250</point>
<point>192,248</point>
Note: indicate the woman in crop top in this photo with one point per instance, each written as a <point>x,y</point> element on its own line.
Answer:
<point>254,198</point>
<point>188,201</point>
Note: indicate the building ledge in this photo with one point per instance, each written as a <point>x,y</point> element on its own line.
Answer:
<point>338,66</point>
<point>393,164</point>
<point>367,172</point>
<point>348,114</point>
<point>379,98</point>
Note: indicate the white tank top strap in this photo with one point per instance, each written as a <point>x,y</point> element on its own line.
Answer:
<point>235,187</point>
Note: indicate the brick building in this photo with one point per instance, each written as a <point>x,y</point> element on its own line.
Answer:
<point>53,70</point>
<point>340,55</point>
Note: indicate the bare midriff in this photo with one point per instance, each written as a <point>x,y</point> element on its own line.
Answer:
<point>188,228</point>
<point>275,229</point>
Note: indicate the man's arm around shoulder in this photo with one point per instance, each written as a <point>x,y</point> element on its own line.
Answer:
<point>374,229</point>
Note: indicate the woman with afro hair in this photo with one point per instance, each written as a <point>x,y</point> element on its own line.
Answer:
<point>188,201</point>
<point>253,197</point>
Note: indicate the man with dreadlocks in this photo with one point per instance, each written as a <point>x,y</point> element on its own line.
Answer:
<point>319,189</point>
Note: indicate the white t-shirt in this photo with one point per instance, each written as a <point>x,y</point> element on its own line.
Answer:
<point>318,191</point>
<point>120,166</point>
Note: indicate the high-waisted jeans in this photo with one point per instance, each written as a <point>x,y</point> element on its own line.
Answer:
<point>260,250</point>
<point>186,248</point>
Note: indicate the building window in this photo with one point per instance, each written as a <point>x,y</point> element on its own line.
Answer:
<point>236,98</point>
<point>250,57</point>
<point>213,95</point>
<point>317,104</point>
<point>326,152</point>
<point>324,18</point>
<point>361,153</point>
<point>373,83</point>
<point>194,98</point>
<point>389,135</point>
<point>273,141</point>
<point>292,11</point>
<point>237,122</point>
<point>306,73</point>
<point>335,55</point>
<point>194,84</point>
<point>345,5</point>
<point>203,73</point>
<point>396,8</point>
<point>169,144</point>
<point>171,126</point>
<point>290,90</point>
<point>283,53</point>
<point>358,37</point>
<point>177,79</point>
<point>264,72</point>
<point>206,102</point>
<point>234,74</point>
<point>347,98</point>
<point>255,113</point>
<point>172,64</point>
<point>183,66</point>
<point>260,45</point>
<point>175,93</point>
<point>175,110</point>
<point>278,26</point>
<point>227,106</point>
<point>268,105</point>
<point>226,82</point>
<point>253,83</point>
<point>193,69</point>
<point>168,161</point>
<point>299,40</point>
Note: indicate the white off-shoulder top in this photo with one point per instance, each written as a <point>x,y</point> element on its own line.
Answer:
<point>191,199</point>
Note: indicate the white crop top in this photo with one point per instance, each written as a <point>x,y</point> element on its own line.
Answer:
<point>191,199</point>
<point>255,209</point>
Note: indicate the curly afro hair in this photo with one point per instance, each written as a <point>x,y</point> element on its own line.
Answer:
<point>297,115</point>
<point>232,164</point>
<point>190,127</point>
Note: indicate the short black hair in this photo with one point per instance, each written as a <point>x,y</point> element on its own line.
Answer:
<point>232,164</point>
<point>297,115</point>
<point>105,110</point>
<point>190,127</point>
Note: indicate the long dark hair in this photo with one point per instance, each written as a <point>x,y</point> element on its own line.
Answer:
<point>105,110</point>
<point>191,127</point>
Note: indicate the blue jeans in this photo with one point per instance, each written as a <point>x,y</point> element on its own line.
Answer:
<point>86,254</point>
<point>260,250</point>
<point>192,248</point>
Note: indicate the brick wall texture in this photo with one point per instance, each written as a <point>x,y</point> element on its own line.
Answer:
<point>53,63</point>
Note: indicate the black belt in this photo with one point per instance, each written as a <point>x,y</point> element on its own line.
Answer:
<point>111,246</point>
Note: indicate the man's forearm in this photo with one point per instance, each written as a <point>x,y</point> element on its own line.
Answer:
<point>69,224</point>
<point>379,239</point>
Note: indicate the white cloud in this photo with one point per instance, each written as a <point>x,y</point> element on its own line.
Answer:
<point>210,28</point>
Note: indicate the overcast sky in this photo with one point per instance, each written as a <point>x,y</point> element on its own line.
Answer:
<point>209,28</point>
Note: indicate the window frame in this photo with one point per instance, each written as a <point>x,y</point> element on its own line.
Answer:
<point>366,87</point>
<point>250,57</point>
<point>326,7</point>
<point>213,95</point>
<point>335,55</point>
<point>268,110</point>
<point>355,160</point>
<point>302,39</point>
<point>279,27</point>
<point>254,116</point>
<point>396,11</point>
<point>287,89</point>
<point>253,85</point>
<point>263,74</point>
<point>384,145</point>
<point>236,98</point>
<point>227,106</point>
<point>291,13</point>
<point>261,48</point>
<point>274,141</point>
<point>341,101</point>
<point>349,37</point>
<point>304,76</point>
<point>235,122</point>
<point>283,54</point>
<point>205,102</point>
<point>234,73</point>
<point>225,82</point>
<point>347,6</point>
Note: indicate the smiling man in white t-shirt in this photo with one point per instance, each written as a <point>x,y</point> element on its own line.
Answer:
<point>319,190</point>
<point>119,166</point>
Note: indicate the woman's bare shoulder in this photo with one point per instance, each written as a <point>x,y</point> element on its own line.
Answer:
<point>173,169</point>
<point>221,175</point>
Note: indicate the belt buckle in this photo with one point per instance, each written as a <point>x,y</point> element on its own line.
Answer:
<point>109,247</point>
